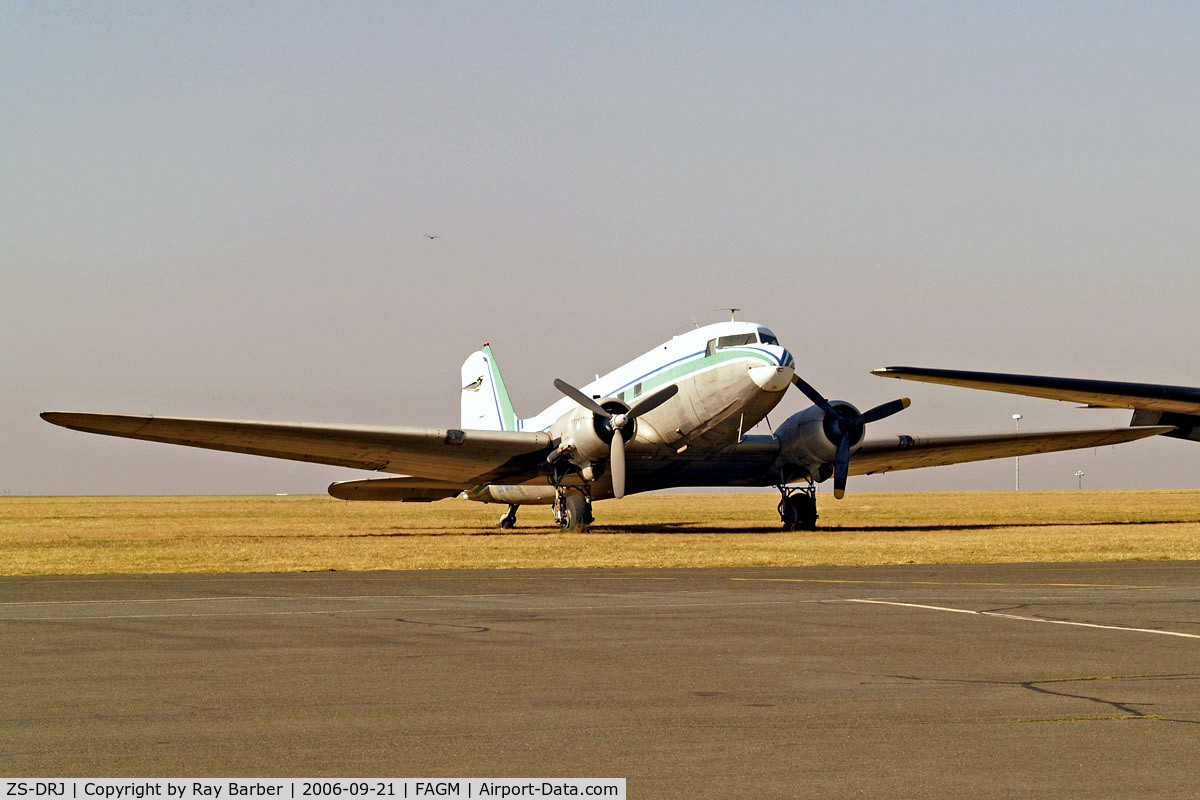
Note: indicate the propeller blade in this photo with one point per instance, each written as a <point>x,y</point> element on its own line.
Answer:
<point>841,467</point>
<point>652,401</point>
<point>886,410</point>
<point>616,463</point>
<point>581,398</point>
<point>814,395</point>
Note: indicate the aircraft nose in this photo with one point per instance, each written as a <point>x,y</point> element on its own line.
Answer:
<point>772,379</point>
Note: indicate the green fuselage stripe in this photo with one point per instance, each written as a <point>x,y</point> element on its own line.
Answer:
<point>685,369</point>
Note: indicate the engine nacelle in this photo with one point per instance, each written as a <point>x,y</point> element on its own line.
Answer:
<point>585,436</point>
<point>809,439</point>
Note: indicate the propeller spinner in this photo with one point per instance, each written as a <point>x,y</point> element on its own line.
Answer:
<point>848,426</point>
<point>616,452</point>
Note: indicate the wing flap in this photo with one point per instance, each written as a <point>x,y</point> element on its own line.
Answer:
<point>911,452</point>
<point>468,457</point>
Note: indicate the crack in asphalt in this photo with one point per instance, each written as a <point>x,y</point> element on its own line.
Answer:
<point>1129,710</point>
<point>472,628</point>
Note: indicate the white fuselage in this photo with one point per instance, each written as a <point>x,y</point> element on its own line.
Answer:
<point>729,376</point>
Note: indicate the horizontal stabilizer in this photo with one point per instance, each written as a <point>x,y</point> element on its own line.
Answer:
<point>405,489</point>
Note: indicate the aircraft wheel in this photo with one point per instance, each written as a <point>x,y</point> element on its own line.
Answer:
<point>509,520</point>
<point>799,513</point>
<point>790,515</point>
<point>575,513</point>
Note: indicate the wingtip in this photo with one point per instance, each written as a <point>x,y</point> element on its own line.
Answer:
<point>1160,430</point>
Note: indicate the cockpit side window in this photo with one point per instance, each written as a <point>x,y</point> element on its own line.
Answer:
<point>711,348</point>
<point>736,340</point>
<point>766,337</point>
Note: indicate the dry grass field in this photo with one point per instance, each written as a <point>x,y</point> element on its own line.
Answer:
<point>90,535</point>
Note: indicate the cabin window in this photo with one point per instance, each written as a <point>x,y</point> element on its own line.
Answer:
<point>637,389</point>
<point>736,340</point>
<point>711,349</point>
<point>766,337</point>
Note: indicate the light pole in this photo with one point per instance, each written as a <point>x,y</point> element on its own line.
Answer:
<point>1017,420</point>
<point>1079,474</point>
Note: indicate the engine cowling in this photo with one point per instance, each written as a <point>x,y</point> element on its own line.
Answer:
<point>585,436</point>
<point>809,439</point>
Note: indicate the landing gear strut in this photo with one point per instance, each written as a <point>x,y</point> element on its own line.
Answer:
<point>509,520</point>
<point>572,509</point>
<point>798,507</point>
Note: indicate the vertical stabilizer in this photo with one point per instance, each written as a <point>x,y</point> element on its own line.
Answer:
<point>485,402</point>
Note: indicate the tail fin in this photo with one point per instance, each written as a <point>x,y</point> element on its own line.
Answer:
<point>485,402</point>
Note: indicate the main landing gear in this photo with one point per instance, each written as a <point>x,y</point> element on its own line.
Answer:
<point>509,520</point>
<point>572,509</point>
<point>798,507</point>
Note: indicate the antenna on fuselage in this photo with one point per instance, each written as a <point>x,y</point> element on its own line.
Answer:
<point>732,312</point>
<point>697,324</point>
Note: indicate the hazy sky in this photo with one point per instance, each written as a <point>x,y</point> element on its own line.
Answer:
<point>216,209</point>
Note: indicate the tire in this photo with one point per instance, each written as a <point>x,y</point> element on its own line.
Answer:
<point>808,512</point>
<point>791,515</point>
<point>575,513</point>
<point>800,513</point>
<point>509,520</point>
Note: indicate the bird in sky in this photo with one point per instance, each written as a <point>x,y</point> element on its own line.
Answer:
<point>432,236</point>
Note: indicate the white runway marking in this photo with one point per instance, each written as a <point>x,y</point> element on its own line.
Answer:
<point>1024,619</point>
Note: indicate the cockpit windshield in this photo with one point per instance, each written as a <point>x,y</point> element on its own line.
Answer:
<point>740,339</point>
<point>736,340</point>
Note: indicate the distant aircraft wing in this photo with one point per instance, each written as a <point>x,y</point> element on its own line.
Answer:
<point>1107,394</point>
<point>911,452</point>
<point>461,457</point>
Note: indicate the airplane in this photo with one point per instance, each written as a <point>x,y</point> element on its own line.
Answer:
<point>1152,403</point>
<point>675,416</point>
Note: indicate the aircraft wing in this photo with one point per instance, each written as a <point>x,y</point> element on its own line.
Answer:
<point>462,457</point>
<point>911,452</point>
<point>1107,394</point>
<point>751,462</point>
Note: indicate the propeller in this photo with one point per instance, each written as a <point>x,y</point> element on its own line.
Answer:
<point>616,448</point>
<point>846,427</point>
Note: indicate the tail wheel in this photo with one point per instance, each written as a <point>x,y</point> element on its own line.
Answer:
<point>575,513</point>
